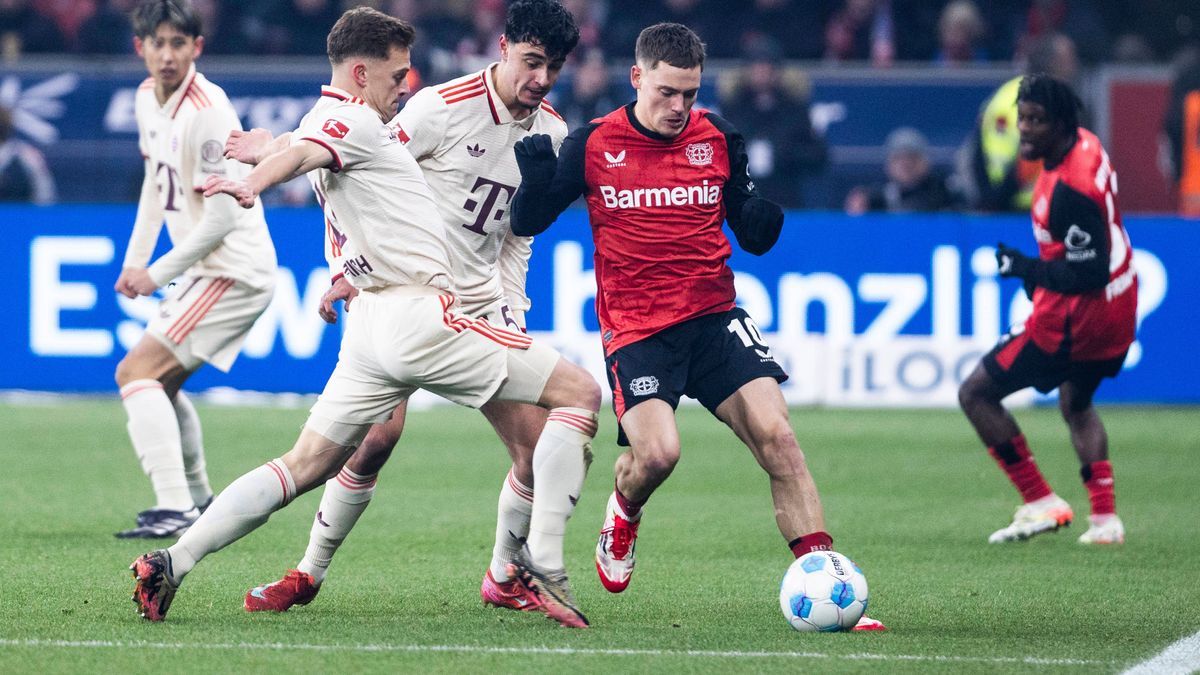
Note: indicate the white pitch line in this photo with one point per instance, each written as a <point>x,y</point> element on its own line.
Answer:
<point>542,650</point>
<point>1182,657</point>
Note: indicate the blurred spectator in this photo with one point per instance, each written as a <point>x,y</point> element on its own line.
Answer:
<point>792,24</point>
<point>861,30</point>
<point>1181,128</point>
<point>990,169</point>
<point>770,107</point>
<point>296,27</point>
<point>589,16</point>
<point>1079,21</point>
<point>912,184</point>
<point>1132,48</point>
<point>482,46</point>
<point>219,25</point>
<point>108,31</point>
<point>1055,55</point>
<point>592,94</point>
<point>69,15</point>
<point>23,30</point>
<point>960,31</point>
<point>24,176</point>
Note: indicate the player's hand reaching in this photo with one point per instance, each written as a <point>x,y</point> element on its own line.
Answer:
<point>536,159</point>
<point>1012,262</point>
<point>238,189</point>
<point>247,146</point>
<point>340,290</point>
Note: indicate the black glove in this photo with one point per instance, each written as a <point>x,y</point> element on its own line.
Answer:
<point>1012,262</point>
<point>759,226</point>
<point>536,159</point>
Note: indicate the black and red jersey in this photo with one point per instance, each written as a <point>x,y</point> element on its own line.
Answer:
<point>1086,298</point>
<point>656,206</point>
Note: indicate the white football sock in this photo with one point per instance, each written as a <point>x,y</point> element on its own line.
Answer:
<point>154,432</point>
<point>512,524</point>
<point>192,444</point>
<point>346,497</point>
<point>238,510</point>
<point>560,461</point>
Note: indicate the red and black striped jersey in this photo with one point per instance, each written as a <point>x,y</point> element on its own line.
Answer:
<point>656,207</point>
<point>1086,297</point>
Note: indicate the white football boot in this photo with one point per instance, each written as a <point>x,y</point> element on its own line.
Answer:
<point>1106,529</point>
<point>1041,515</point>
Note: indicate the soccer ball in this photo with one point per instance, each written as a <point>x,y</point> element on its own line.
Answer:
<point>823,591</point>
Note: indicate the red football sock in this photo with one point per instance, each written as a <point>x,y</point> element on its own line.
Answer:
<point>1014,457</point>
<point>814,541</point>
<point>1098,479</point>
<point>631,508</point>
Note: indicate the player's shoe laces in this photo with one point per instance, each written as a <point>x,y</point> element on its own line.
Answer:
<point>614,550</point>
<point>160,524</point>
<point>508,594</point>
<point>295,588</point>
<point>154,589</point>
<point>1106,529</point>
<point>549,589</point>
<point>867,623</point>
<point>1043,515</point>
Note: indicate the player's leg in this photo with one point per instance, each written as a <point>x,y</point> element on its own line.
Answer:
<point>1090,440</point>
<point>148,375</point>
<point>1014,364</point>
<point>758,415</point>
<point>238,510</point>
<point>518,425</point>
<point>191,440</point>
<point>344,499</point>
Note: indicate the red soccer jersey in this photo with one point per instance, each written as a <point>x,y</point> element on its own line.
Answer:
<point>656,207</point>
<point>1077,225</point>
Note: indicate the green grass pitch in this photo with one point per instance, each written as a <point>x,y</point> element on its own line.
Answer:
<point>909,495</point>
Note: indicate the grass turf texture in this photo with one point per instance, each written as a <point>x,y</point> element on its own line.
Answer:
<point>909,495</point>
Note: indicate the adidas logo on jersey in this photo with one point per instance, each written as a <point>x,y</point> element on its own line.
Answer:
<point>475,150</point>
<point>666,196</point>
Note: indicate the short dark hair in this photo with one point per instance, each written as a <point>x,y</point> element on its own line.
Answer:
<point>674,43</point>
<point>363,31</point>
<point>1060,101</point>
<point>542,22</point>
<point>179,14</point>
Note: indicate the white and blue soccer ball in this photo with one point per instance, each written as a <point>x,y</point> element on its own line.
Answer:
<point>823,591</point>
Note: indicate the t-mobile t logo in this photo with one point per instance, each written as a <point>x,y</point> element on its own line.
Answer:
<point>488,209</point>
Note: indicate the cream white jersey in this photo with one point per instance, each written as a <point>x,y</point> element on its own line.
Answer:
<point>389,232</point>
<point>182,142</point>
<point>462,135</point>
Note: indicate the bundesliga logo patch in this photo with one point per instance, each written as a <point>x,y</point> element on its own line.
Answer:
<point>699,154</point>
<point>335,128</point>
<point>644,386</point>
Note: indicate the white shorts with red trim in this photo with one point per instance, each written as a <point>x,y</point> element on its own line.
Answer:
<point>206,319</point>
<point>406,338</point>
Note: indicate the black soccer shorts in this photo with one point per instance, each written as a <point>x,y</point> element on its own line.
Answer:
<point>1016,362</point>
<point>707,358</point>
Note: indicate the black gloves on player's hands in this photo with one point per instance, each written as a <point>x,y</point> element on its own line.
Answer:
<point>1013,263</point>
<point>759,226</point>
<point>536,159</point>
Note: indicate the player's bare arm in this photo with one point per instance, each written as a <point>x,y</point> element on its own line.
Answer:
<point>282,166</point>
<point>251,147</point>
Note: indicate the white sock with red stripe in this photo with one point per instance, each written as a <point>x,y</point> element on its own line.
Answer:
<point>346,497</point>
<point>154,432</point>
<point>240,508</point>
<point>192,444</point>
<point>560,461</point>
<point>512,524</point>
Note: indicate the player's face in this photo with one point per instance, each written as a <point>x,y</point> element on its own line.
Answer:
<point>168,54</point>
<point>387,82</point>
<point>526,72</point>
<point>1036,128</point>
<point>665,96</point>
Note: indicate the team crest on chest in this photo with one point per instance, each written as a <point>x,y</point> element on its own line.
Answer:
<point>699,154</point>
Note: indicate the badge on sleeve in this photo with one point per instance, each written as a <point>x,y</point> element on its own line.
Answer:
<point>335,128</point>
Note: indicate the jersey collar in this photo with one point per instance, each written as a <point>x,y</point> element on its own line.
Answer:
<point>500,114</point>
<point>649,133</point>
<point>340,94</point>
<point>176,100</point>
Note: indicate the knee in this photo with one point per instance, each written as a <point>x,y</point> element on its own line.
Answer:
<point>658,459</point>
<point>589,392</point>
